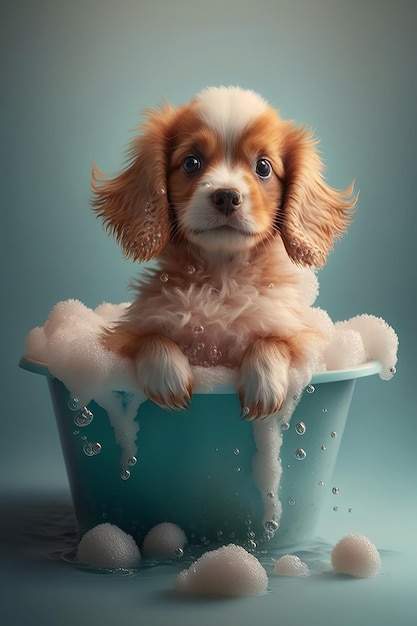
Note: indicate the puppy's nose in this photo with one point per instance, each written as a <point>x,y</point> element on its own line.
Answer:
<point>226,200</point>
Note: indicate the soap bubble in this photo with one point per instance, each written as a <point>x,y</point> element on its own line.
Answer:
<point>300,454</point>
<point>271,525</point>
<point>84,417</point>
<point>92,449</point>
<point>300,428</point>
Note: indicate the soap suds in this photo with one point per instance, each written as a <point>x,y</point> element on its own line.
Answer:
<point>290,565</point>
<point>107,546</point>
<point>355,555</point>
<point>164,541</point>
<point>227,571</point>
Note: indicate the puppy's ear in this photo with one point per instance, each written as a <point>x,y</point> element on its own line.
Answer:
<point>312,214</point>
<point>134,205</point>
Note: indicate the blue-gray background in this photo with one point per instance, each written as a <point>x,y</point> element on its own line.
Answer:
<point>75,76</point>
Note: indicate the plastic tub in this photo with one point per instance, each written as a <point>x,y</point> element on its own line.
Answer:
<point>195,468</point>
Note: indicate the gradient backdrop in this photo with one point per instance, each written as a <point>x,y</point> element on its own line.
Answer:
<point>75,76</point>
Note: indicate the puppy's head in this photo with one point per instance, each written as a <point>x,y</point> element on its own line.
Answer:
<point>223,173</point>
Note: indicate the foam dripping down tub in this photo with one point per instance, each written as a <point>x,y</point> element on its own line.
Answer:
<point>203,469</point>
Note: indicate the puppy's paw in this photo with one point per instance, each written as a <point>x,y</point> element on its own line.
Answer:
<point>263,381</point>
<point>164,372</point>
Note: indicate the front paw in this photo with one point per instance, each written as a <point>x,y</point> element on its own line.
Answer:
<point>164,373</point>
<point>264,379</point>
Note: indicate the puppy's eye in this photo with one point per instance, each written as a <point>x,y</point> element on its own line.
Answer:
<point>191,164</point>
<point>263,168</point>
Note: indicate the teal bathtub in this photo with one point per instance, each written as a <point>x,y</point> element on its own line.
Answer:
<point>194,468</point>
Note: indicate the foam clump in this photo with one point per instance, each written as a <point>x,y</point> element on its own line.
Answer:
<point>164,541</point>
<point>346,349</point>
<point>108,546</point>
<point>379,339</point>
<point>69,343</point>
<point>290,565</point>
<point>227,571</point>
<point>355,555</point>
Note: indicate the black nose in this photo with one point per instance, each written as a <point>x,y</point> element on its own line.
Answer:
<point>226,200</point>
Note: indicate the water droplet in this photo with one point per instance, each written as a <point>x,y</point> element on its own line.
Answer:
<point>392,371</point>
<point>75,432</point>
<point>291,502</point>
<point>333,435</point>
<point>271,525</point>
<point>324,447</point>
<point>300,428</point>
<point>164,278</point>
<point>199,329</point>
<point>215,354</point>
<point>125,474</point>
<point>336,508</point>
<point>92,449</point>
<point>73,404</point>
<point>190,269</point>
<point>132,461</point>
<point>324,410</point>
<point>84,417</point>
<point>236,451</point>
<point>251,535</point>
<point>350,510</point>
<point>179,552</point>
<point>321,483</point>
<point>200,346</point>
<point>161,191</point>
<point>238,469</point>
<point>336,491</point>
<point>270,494</point>
<point>300,454</point>
<point>285,426</point>
<point>296,397</point>
<point>271,286</point>
<point>310,389</point>
<point>245,410</point>
<point>252,545</point>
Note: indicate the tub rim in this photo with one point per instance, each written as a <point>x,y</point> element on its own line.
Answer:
<point>369,368</point>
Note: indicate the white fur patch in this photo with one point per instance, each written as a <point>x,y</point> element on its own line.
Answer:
<point>200,214</point>
<point>229,110</point>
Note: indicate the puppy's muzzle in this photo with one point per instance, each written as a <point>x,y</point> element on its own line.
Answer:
<point>227,201</point>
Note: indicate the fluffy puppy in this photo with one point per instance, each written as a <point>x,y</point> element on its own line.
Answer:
<point>230,200</point>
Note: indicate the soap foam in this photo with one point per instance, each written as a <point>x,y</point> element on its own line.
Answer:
<point>108,546</point>
<point>290,565</point>
<point>164,541</point>
<point>355,555</point>
<point>227,571</point>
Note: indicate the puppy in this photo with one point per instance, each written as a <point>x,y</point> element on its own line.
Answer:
<point>230,199</point>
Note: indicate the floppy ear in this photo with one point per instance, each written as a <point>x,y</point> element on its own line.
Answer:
<point>312,214</point>
<point>134,205</point>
